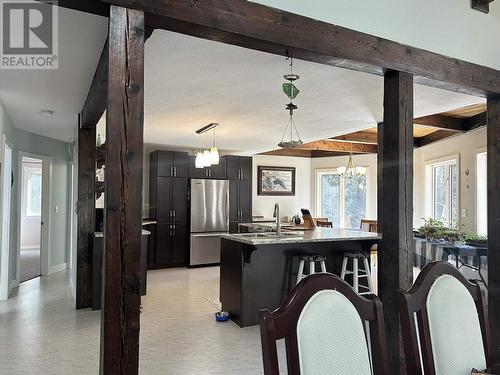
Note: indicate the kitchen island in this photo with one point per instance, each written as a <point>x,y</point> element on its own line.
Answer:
<point>258,270</point>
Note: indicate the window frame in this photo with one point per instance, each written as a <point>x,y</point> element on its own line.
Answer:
<point>319,196</point>
<point>481,152</point>
<point>430,185</point>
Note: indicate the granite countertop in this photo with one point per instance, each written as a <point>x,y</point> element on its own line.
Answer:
<point>316,235</point>
<point>144,233</point>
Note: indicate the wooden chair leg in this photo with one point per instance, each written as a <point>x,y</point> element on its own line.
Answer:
<point>368,274</point>
<point>344,268</point>
<point>355,275</point>
<point>300,272</point>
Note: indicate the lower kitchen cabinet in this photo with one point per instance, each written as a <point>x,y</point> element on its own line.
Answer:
<point>171,245</point>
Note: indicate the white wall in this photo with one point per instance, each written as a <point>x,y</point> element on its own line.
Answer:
<point>289,205</point>
<point>59,215</point>
<point>442,26</point>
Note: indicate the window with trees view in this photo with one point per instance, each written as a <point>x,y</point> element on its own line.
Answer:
<point>342,201</point>
<point>445,192</point>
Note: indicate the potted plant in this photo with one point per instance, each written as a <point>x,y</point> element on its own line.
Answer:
<point>476,240</point>
<point>453,236</point>
<point>432,229</point>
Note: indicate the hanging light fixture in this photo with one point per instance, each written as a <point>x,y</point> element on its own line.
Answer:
<point>209,156</point>
<point>351,172</point>
<point>291,91</point>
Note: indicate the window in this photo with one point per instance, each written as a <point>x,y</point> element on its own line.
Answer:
<point>444,186</point>
<point>34,193</point>
<point>482,196</point>
<point>343,202</point>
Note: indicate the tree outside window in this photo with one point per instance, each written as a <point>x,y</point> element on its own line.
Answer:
<point>343,202</point>
<point>445,192</point>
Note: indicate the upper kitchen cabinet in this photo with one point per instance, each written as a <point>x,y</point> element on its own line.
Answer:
<point>169,164</point>
<point>214,171</point>
<point>239,167</point>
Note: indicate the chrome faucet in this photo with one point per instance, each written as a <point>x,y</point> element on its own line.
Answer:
<point>276,214</point>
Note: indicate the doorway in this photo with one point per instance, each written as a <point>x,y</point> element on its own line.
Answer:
<point>31,218</point>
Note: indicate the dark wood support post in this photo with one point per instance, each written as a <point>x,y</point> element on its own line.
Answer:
<point>85,215</point>
<point>395,211</point>
<point>123,200</point>
<point>493,142</point>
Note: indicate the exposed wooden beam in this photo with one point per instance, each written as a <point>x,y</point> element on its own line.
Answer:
<point>95,103</point>
<point>124,158</point>
<point>339,146</point>
<point>481,5</point>
<point>476,121</point>
<point>86,215</point>
<point>289,152</point>
<point>272,30</point>
<point>96,7</point>
<point>443,122</point>
<point>395,212</point>
<point>325,154</point>
<point>493,181</point>
<point>433,137</point>
<point>360,137</point>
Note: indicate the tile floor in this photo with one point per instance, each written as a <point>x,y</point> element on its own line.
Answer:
<point>41,333</point>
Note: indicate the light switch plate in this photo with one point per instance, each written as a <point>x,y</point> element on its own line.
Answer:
<point>464,212</point>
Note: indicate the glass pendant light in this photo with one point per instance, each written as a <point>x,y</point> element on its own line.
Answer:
<point>291,91</point>
<point>214,153</point>
<point>351,172</point>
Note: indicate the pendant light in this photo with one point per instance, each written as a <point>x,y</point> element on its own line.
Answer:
<point>291,91</point>
<point>351,172</point>
<point>205,157</point>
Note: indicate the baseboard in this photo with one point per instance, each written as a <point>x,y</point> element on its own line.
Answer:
<point>13,284</point>
<point>57,268</point>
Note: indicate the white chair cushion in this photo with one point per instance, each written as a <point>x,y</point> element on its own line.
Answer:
<point>456,339</point>
<point>330,336</point>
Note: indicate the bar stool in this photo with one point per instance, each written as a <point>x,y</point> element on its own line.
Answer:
<point>356,272</point>
<point>312,259</point>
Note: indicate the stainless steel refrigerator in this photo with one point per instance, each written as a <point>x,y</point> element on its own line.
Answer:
<point>209,219</point>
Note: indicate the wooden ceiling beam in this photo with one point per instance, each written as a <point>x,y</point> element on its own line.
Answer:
<point>481,5</point>
<point>444,122</point>
<point>289,152</point>
<point>359,137</point>
<point>95,103</point>
<point>433,137</point>
<point>476,121</point>
<point>96,7</point>
<point>256,26</point>
<point>340,146</point>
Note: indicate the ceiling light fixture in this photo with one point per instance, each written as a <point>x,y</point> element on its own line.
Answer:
<point>351,172</point>
<point>291,91</point>
<point>207,157</point>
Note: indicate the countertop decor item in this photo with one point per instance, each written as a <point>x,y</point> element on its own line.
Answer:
<point>275,180</point>
<point>291,91</point>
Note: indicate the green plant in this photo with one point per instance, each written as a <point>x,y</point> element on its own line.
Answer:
<point>432,229</point>
<point>453,235</point>
<point>475,239</point>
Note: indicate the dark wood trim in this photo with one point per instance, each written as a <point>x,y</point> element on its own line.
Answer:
<point>493,180</point>
<point>413,302</point>
<point>481,5</point>
<point>395,212</point>
<point>326,154</point>
<point>85,216</point>
<point>282,323</point>
<point>475,122</point>
<point>272,30</point>
<point>123,202</point>
<point>433,137</point>
<point>261,168</point>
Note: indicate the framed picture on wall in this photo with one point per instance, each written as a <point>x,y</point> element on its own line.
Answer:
<point>275,180</point>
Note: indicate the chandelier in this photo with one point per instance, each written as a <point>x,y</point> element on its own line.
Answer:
<point>291,91</point>
<point>209,156</point>
<point>351,172</point>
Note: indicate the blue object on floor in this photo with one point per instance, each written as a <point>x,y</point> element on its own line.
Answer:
<point>222,316</point>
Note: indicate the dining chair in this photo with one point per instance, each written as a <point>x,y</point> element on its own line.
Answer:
<point>445,318</point>
<point>328,330</point>
<point>324,224</point>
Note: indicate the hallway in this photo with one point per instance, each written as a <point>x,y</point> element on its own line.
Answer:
<point>178,332</point>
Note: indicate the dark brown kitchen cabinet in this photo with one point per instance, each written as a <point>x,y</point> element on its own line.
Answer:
<point>212,172</point>
<point>171,245</point>
<point>169,164</point>
<point>170,199</point>
<point>240,200</point>
<point>239,167</point>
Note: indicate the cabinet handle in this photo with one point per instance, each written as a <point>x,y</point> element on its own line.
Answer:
<point>173,230</point>
<point>175,171</point>
<point>241,174</point>
<point>174,214</point>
